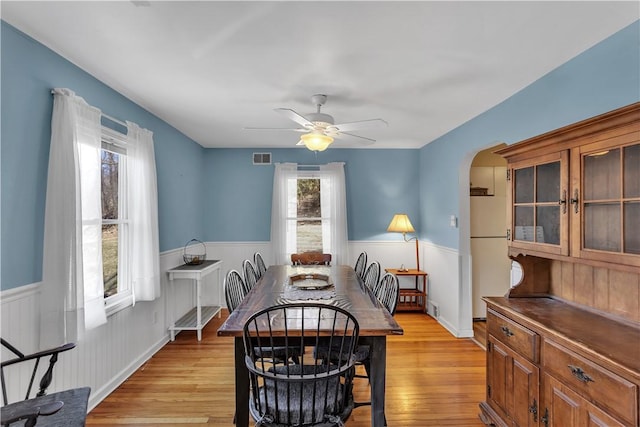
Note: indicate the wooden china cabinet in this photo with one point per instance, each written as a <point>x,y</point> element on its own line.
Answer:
<point>563,346</point>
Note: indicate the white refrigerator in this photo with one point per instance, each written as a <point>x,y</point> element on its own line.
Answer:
<point>491,267</point>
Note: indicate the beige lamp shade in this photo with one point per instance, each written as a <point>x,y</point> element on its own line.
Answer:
<point>401,224</point>
<point>316,141</point>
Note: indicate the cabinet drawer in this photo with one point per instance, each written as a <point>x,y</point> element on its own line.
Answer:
<point>602,387</point>
<point>522,340</point>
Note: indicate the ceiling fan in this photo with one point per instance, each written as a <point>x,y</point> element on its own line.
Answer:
<point>320,128</point>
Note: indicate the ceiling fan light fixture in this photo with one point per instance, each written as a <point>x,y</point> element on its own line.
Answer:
<point>316,141</point>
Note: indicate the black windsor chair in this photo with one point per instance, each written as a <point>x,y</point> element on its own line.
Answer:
<point>316,393</point>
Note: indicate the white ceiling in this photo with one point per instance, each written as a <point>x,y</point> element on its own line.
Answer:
<point>211,68</point>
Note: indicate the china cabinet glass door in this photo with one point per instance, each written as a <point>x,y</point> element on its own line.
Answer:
<point>540,204</point>
<point>611,199</point>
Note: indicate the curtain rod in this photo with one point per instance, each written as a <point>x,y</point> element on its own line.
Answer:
<point>308,166</point>
<point>69,92</point>
<point>114,120</point>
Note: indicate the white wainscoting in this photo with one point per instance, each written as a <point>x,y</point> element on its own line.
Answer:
<point>106,356</point>
<point>109,354</point>
<point>446,289</point>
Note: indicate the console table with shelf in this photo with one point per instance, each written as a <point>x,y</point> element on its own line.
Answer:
<point>412,299</point>
<point>196,318</point>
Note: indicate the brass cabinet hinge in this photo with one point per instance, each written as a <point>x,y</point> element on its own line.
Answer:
<point>508,174</point>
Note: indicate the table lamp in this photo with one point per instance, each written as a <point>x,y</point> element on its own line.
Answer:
<point>401,224</point>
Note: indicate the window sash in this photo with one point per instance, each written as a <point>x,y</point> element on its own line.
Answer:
<point>115,142</point>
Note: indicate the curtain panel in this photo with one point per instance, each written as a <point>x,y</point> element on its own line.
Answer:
<point>72,290</point>
<point>143,214</point>
<point>284,172</point>
<point>333,203</point>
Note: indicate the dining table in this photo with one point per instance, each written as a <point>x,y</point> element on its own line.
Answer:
<point>345,289</point>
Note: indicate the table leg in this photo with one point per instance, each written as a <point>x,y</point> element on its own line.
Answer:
<point>198,310</point>
<point>219,292</point>
<point>378,356</point>
<point>424,293</point>
<point>172,330</point>
<point>242,385</point>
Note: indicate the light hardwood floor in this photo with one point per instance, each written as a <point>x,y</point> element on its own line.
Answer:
<point>433,379</point>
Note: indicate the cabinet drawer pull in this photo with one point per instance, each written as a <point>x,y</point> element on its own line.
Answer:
<point>580,374</point>
<point>506,331</point>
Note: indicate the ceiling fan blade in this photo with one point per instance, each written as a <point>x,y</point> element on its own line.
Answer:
<point>289,129</point>
<point>292,115</point>
<point>356,138</point>
<point>362,124</point>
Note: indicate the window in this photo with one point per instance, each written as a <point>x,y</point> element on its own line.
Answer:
<point>92,167</point>
<point>115,227</point>
<point>309,212</point>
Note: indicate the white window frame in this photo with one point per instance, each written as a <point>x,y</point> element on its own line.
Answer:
<point>116,142</point>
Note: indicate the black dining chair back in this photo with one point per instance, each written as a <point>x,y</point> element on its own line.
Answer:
<point>258,262</point>
<point>361,264</point>
<point>250,275</point>
<point>313,392</point>
<point>371,275</point>
<point>234,289</point>
<point>67,407</point>
<point>388,291</point>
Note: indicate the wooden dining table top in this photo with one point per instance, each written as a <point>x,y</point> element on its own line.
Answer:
<point>349,293</point>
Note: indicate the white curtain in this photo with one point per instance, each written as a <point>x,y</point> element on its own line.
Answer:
<point>333,203</point>
<point>143,214</point>
<point>72,289</point>
<point>281,230</point>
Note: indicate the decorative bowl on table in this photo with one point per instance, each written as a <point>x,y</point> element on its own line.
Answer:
<point>310,281</point>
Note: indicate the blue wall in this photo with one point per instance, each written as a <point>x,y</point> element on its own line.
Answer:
<point>29,72</point>
<point>379,184</point>
<point>601,79</point>
<point>218,195</point>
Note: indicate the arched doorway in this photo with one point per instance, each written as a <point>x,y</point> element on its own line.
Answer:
<point>488,224</point>
<point>470,293</point>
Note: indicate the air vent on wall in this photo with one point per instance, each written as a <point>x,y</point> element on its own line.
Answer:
<point>261,158</point>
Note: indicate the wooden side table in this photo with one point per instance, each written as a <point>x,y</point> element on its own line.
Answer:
<point>196,318</point>
<point>412,299</point>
